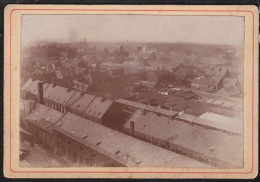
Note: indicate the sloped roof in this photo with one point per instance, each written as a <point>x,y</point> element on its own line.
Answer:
<point>197,108</point>
<point>215,79</point>
<point>187,94</point>
<point>208,142</point>
<point>82,103</point>
<point>220,118</point>
<point>229,81</point>
<point>27,84</point>
<point>231,90</point>
<point>216,70</point>
<point>74,98</point>
<point>182,105</point>
<point>218,102</point>
<point>229,104</point>
<point>98,107</point>
<point>58,94</point>
<point>172,101</point>
<point>228,91</point>
<point>149,123</point>
<point>217,124</point>
<point>32,87</point>
<point>120,147</point>
<point>44,117</point>
<point>147,107</point>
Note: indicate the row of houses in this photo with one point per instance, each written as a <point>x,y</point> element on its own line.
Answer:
<point>86,143</point>
<point>65,99</point>
<point>96,108</point>
<point>80,103</point>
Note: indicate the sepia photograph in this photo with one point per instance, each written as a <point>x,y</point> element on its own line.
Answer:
<point>131,91</point>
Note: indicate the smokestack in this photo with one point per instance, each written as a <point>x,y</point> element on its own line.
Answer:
<point>53,82</point>
<point>132,128</point>
<point>40,92</point>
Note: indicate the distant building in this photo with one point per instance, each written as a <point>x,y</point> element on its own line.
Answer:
<point>165,91</point>
<point>114,72</point>
<point>80,85</point>
<point>97,77</point>
<point>213,79</point>
<point>135,105</point>
<point>229,91</point>
<point>188,95</point>
<point>147,84</point>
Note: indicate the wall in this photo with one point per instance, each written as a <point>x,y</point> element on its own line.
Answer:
<point>81,154</point>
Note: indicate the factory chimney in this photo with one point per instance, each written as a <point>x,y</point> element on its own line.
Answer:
<point>40,92</point>
<point>132,128</point>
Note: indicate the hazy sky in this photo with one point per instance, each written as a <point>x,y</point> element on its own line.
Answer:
<point>134,28</point>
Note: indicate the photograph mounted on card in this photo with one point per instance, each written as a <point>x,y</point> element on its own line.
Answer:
<point>131,91</point>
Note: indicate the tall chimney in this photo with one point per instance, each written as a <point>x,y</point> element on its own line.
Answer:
<point>40,92</point>
<point>132,128</point>
<point>53,82</point>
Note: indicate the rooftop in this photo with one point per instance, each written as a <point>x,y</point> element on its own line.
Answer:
<point>211,143</point>
<point>147,107</point>
<point>82,103</point>
<point>74,98</point>
<point>125,149</point>
<point>220,118</point>
<point>32,87</point>
<point>27,84</point>
<point>58,94</point>
<point>44,117</point>
<point>98,107</point>
<point>231,127</point>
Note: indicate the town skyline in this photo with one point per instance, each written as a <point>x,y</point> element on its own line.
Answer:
<point>139,28</point>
